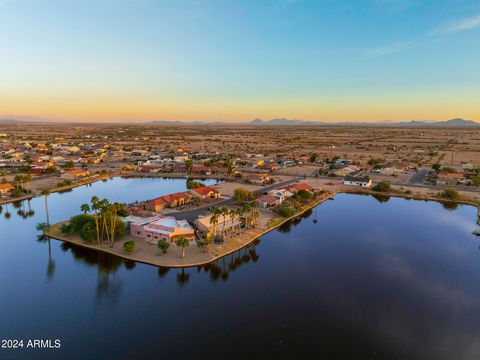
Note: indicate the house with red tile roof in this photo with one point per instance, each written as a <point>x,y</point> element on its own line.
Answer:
<point>5,188</point>
<point>177,199</point>
<point>76,174</point>
<point>446,178</point>
<point>268,201</point>
<point>155,205</point>
<point>256,178</point>
<point>293,188</point>
<point>206,192</point>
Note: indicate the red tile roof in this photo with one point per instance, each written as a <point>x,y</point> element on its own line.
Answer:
<point>268,199</point>
<point>450,175</point>
<point>205,190</point>
<point>171,198</point>
<point>6,187</point>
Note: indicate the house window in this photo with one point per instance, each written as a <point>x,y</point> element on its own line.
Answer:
<point>138,233</point>
<point>148,235</point>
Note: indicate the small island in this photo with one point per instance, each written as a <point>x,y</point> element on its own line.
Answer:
<point>155,233</point>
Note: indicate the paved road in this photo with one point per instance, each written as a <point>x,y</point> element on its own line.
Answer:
<point>191,215</point>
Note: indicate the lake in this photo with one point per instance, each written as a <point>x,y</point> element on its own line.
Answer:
<point>357,277</point>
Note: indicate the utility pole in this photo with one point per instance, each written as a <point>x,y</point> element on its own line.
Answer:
<point>331,151</point>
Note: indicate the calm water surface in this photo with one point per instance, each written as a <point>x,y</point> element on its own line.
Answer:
<point>357,277</point>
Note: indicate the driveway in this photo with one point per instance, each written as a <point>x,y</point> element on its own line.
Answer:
<point>419,177</point>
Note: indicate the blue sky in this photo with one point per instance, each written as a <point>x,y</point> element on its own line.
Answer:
<point>238,60</point>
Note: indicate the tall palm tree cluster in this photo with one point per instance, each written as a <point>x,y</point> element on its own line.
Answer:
<point>248,212</point>
<point>21,179</point>
<point>105,215</point>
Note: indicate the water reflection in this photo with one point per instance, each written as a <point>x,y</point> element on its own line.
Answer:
<point>162,271</point>
<point>105,263</point>
<point>51,262</point>
<point>450,206</point>
<point>287,227</point>
<point>108,264</point>
<point>130,264</point>
<point>109,287</point>
<point>381,198</point>
<point>183,276</point>
<point>357,292</point>
<point>222,268</point>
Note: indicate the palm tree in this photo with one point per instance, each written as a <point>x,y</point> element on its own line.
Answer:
<point>96,208</point>
<point>229,167</point>
<point>246,211</point>
<point>18,179</point>
<point>215,211</point>
<point>46,193</point>
<point>224,212</point>
<point>189,165</point>
<point>27,178</point>
<point>112,212</point>
<point>254,209</point>
<point>182,243</point>
<point>240,213</point>
<point>85,208</point>
<point>233,216</point>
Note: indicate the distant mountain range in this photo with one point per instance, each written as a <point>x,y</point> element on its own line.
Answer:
<point>20,119</point>
<point>273,122</point>
<point>288,122</point>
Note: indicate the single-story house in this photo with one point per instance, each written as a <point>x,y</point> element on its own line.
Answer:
<point>363,181</point>
<point>154,205</point>
<point>5,188</point>
<point>446,178</point>
<point>201,169</point>
<point>161,227</point>
<point>177,199</point>
<point>206,192</point>
<point>76,174</point>
<point>268,201</point>
<point>293,188</point>
<point>257,178</point>
<point>280,194</point>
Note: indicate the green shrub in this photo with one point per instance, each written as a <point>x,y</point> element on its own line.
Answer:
<point>66,228</point>
<point>450,194</point>
<point>303,195</point>
<point>383,186</point>
<point>286,211</point>
<point>129,246</point>
<point>374,161</point>
<point>163,245</point>
<point>192,184</point>
<point>241,195</point>
<point>78,221</point>
<point>449,170</point>
<point>88,232</point>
